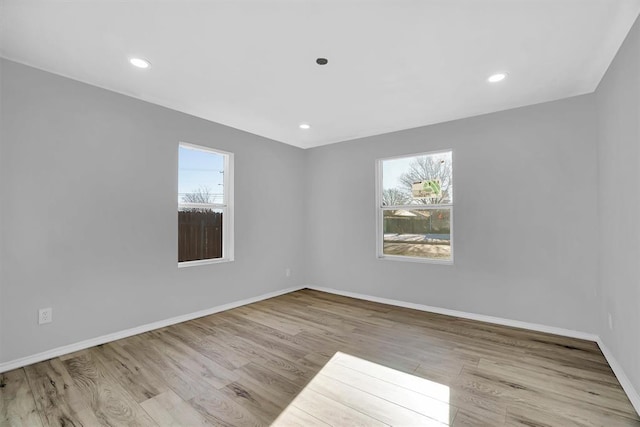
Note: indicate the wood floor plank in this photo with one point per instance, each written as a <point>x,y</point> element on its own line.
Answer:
<point>524,416</point>
<point>276,335</point>
<point>267,319</point>
<point>370,382</point>
<point>476,406</point>
<point>373,406</point>
<point>108,400</point>
<point>223,356</point>
<point>314,359</point>
<point>311,297</point>
<point>465,418</point>
<point>169,409</point>
<point>17,404</point>
<point>300,316</point>
<point>181,379</point>
<point>332,411</point>
<point>186,356</point>
<point>294,417</point>
<point>273,381</point>
<point>542,400</point>
<point>219,409</point>
<point>411,382</point>
<point>570,372</point>
<point>132,375</point>
<point>269,343</point>
<point>58,399</point>
<point>611,397</point>
<point>258,399</point>
<point>283,366</point>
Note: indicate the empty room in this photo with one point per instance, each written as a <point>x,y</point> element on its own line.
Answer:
<point>319,213</point>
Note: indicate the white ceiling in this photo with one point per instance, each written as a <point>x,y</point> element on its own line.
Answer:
<point>393,64</point>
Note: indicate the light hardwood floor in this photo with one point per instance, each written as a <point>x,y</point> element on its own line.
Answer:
<point>315,359</point>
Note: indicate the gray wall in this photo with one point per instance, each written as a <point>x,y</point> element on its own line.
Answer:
<point>2,184</point>
<point>525,216</point>
<point>618,103</point>
<point>89,183</point>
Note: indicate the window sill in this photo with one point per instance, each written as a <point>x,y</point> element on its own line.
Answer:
<point>203,262</point>
<point>415,259</point>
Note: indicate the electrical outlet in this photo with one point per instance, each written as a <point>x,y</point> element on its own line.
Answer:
<point>45,315</point>
<point>287,272</point>
<point>610,322</point>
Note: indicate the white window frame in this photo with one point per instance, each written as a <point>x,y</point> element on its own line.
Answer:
<point>380,212</point>
<point>226,207</point>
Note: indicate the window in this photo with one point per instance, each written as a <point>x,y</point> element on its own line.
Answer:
<point>415,207</point>
<point>205,205</point>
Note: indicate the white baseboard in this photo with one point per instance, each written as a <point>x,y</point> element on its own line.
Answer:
<point>59,351</point>
<point>624,380</point>
<point>463,314</point>
<point>626,384</point>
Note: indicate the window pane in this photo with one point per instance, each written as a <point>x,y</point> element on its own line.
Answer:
<point>200,176</point>
<point>199,234</point>
<point>422,233</point>
<point>417,180</point>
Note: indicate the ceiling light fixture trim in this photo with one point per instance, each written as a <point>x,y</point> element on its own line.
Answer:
<point>497,77</point>
<point>139,62</point>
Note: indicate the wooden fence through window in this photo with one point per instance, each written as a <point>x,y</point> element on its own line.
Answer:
<point>199,234</point>
<point>438,222</point>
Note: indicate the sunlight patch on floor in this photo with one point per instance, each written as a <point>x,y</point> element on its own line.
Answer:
<point>351,391</point>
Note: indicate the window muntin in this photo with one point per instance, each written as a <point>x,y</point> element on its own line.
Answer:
<point>415,207</point>
<point>205,202</point>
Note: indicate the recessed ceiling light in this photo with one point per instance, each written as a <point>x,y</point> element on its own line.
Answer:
<point>498,77</point>
<point>139,62</point>
<point>305,126</point>
<point>322,61</point>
